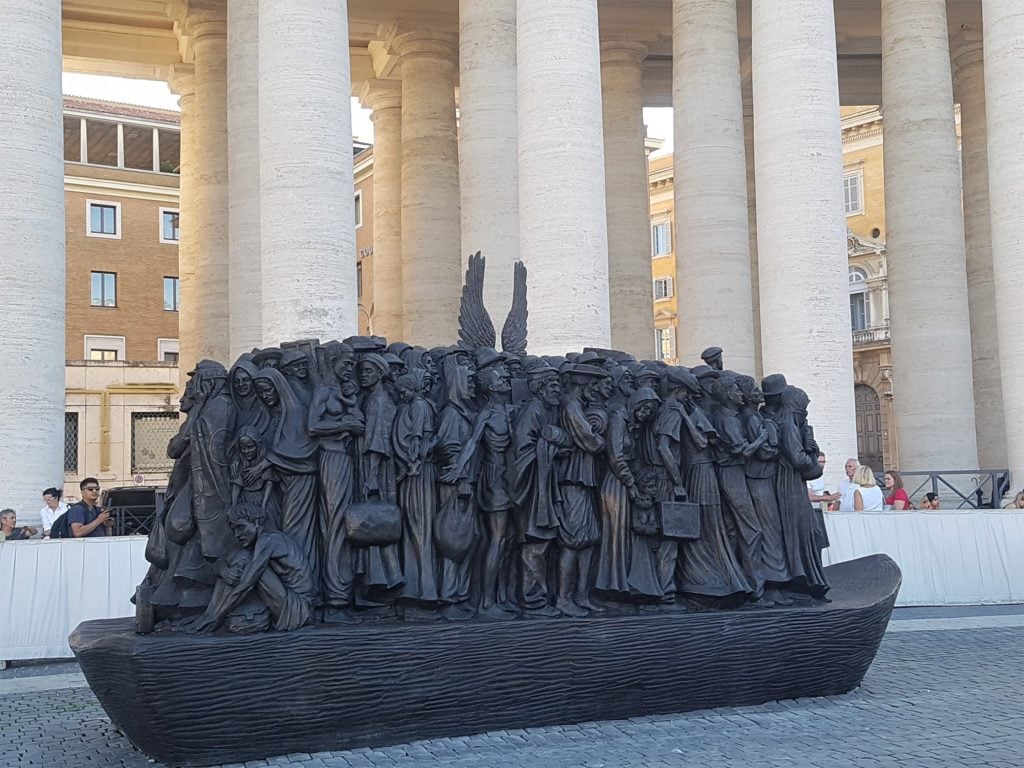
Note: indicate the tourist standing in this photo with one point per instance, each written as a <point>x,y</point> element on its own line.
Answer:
<point>85,518</point>
<point>867,496</point>
<point>53,507</point>
<point>897,498</point>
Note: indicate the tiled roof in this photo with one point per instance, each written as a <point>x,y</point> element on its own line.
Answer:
<point>116,109</point>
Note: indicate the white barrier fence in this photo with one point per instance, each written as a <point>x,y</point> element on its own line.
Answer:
<point>947,558</point>
<point>48,587</point>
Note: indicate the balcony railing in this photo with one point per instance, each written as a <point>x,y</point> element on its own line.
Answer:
<point>871,336</point>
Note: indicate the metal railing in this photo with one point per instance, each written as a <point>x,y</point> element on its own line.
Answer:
<point>977,489</point>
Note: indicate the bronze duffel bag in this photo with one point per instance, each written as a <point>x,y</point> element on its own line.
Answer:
<point>373,523</point>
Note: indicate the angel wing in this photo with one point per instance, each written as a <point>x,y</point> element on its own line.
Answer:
<point>513,333</point>
<point>475,326</point>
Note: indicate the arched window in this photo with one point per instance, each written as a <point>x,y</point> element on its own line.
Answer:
<point>860,307</point>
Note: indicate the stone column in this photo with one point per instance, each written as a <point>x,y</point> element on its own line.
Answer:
<point>1004,92</point>
<point>182,82</point>
<point>969,82</point>
<point>245,285</point>
<point>308,239</point>
<point>489,144</point>
<point>755,289</point>
<point>384,97</point>
<point>431,241</point>
<point>32,247</point>
<point>563,222</point>
<point>204,292</point>
<point>801,230</point>
<point>713,269</point>
<point>627,198</point>
<point>931,331</point>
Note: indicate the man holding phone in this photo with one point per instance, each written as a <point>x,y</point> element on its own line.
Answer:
<point>86,518</point>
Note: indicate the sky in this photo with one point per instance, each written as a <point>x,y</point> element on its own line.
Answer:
<point>150,93</point>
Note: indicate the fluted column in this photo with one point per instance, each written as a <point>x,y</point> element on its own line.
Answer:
<point>182,82</point>
<point>208,204</point>
<point>801,230</point>
<point>931,332</point>
<point>627,198</point>
<point>562,215</point>
<point>384,97</point>
<point>969,82</point>
<point>755,288</point>
<point>713,268</point>
<point>489,143</point>
<point>31,253</point>
<point>244,284</point>
<point>1004,93</point>
<point>431,239</point>
<point>307,236</point>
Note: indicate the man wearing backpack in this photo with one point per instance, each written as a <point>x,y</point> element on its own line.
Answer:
<point>85,518</point>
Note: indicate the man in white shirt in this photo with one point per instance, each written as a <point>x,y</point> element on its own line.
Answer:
<point>816,490</point>
<point>847,486</point>
<point>53,508</point>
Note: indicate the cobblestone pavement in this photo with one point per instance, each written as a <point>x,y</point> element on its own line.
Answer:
<point>951,696</point>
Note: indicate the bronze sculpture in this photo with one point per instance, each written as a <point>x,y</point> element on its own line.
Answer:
<point>461,482</point>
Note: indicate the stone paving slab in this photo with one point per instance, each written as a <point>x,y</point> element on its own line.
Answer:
<point>936,699</point>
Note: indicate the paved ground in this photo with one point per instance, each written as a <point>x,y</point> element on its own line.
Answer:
<point>947,689</point>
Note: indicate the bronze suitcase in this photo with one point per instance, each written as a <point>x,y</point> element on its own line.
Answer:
<point>679,520</point>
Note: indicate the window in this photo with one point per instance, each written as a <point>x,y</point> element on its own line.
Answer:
<point>661,239</point>
<point>860,307</point>
<point>150,434</point>
<point>665,339</point>
<point>359,209</point>
<point>167,350</point>
<point>171,294</point>
<point>71,442</point>
<point>103,220</point>
<point>104,289</point>
<point>852,202</point>
<point>104,348</point>
<point>359,279</point>
<point>662,288</point>
<point>169,226</point>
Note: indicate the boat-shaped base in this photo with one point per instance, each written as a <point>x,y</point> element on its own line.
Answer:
<point>201,700</point>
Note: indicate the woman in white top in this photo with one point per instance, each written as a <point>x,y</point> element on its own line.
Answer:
<point>867,496</point>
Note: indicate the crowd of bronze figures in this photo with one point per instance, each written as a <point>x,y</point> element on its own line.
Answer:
<point>359,480</point>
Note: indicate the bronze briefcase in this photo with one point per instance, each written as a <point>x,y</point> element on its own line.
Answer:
<point>679,520</point>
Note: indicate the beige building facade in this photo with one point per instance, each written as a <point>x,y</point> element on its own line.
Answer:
<point>551,171</point>
<point>122,291</point>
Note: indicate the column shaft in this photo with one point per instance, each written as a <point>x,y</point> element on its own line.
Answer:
<point>245,284</point>
<point>208,200</point>
<point>981,296</point>
<point>931,336</point>
<point>489,144</point>
<point>32,246</point>
<point>385,99</point>
<point>306,187</point>
<point>182,83</point>
<point>713,267</point>
<point>755,287</point>
<point>562,216</point>
<point>801,232</point>
<point>431,239</point>
<point>627,199</point>
<point>1004,93</point>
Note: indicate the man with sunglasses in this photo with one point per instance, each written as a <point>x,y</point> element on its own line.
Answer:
<point>85,517</point>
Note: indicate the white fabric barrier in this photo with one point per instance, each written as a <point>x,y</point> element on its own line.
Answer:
<point>947,558</point>
<point>48,587</point>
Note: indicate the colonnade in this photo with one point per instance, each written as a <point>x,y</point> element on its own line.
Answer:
<point>546,163</point>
